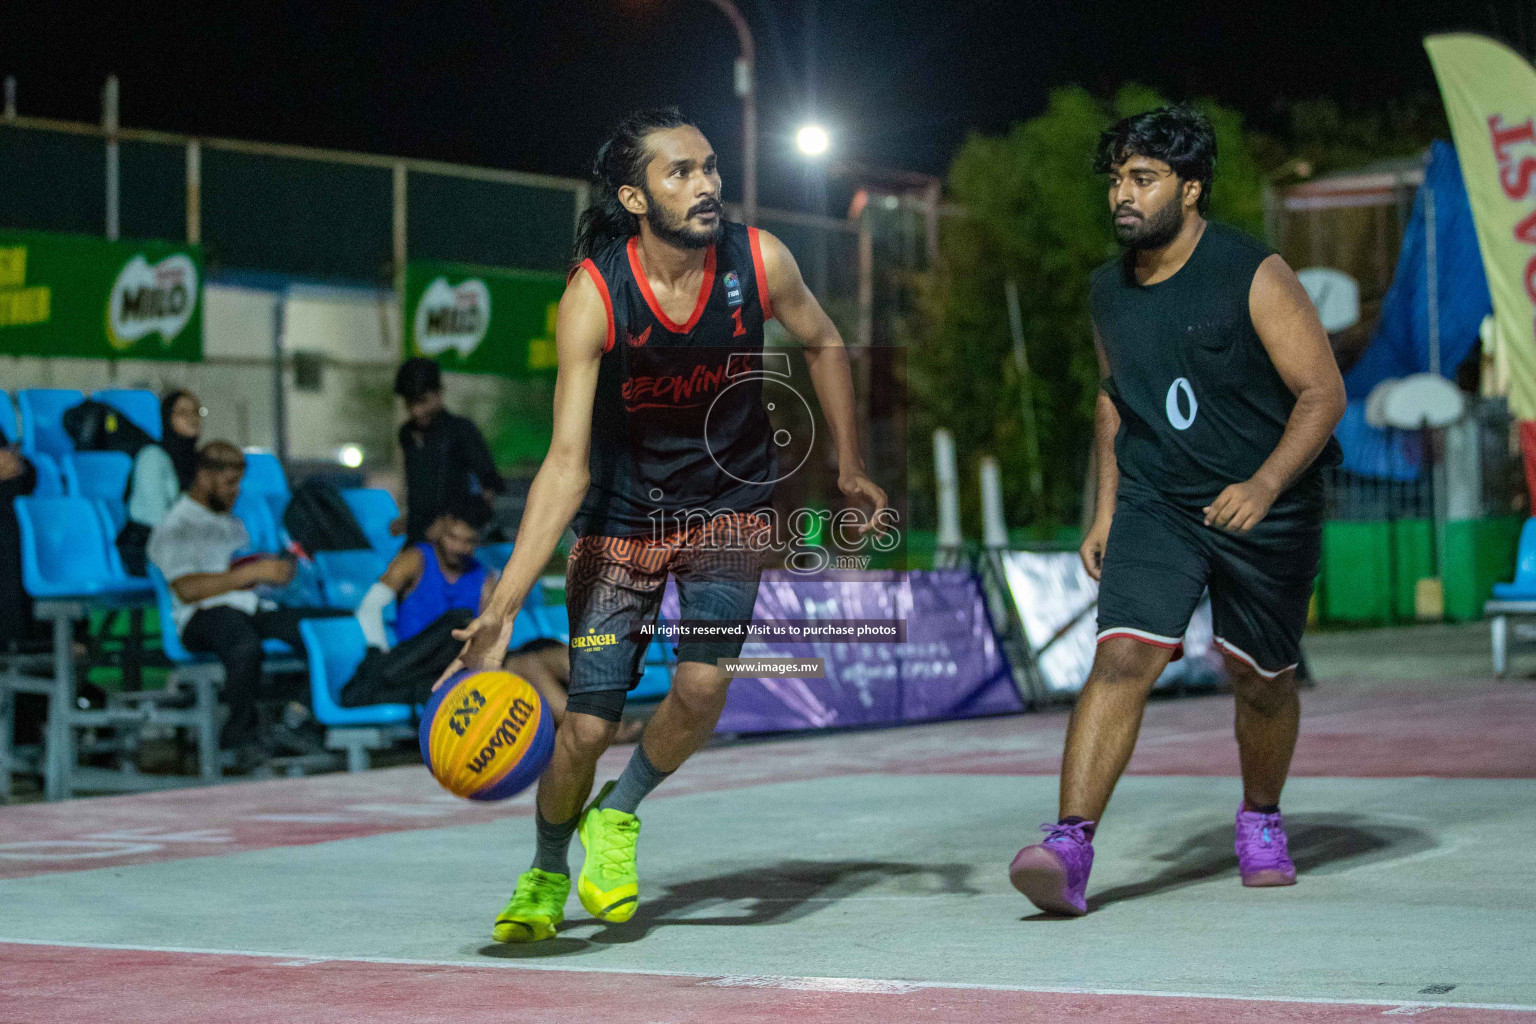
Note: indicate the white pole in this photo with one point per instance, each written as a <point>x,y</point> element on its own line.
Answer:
<point>994,531</point>
<point>949,538</point>
<point>194,192</point>
<point>109,99</point>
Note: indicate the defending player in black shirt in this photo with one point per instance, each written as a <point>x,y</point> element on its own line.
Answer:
<point>1219,395</point>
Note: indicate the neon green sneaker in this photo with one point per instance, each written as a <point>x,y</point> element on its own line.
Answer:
<point>608,885</point>
<point>536,906</point>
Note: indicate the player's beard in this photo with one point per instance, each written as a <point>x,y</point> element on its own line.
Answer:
<point>1153,232</point>
<point>677,231</point>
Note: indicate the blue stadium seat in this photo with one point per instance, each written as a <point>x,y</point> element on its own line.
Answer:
<point>345,576</point>
<point>263,473</point>
<point>10,427</point>
<point>1524,586</point>
<point>375,509</point>
<point>98,474</point>
<point>50,482</point>
<point>277,504</point>
<point>106,515</point>
<point>63,549</point>
<point>42,419</point>
<point>494,555</point>
<point>335,648</point>
<point>139,405</point>
<point>251,509</point>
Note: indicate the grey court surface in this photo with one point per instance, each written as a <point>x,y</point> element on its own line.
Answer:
<point>1406,884</point>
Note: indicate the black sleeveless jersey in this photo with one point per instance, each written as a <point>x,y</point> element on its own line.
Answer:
<point>678,423</point>
<point>1201,404</point>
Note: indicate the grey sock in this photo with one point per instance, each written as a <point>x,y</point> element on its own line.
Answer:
<point>553,853</point>
<point>639,778</point>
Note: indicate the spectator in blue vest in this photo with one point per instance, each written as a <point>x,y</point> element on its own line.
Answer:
<point>437,586</point>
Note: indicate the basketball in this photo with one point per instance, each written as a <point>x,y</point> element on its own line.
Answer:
<point>486,735</point>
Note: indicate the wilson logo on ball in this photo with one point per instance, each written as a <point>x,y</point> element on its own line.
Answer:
<point>505,736</point>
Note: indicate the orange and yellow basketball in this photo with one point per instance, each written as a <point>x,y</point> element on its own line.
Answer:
<point>486,735</point>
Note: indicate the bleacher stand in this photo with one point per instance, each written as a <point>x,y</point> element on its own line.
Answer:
<point>335,648</point>
<point>50,481</point>
<point>375,509</point>
<point>100,476</point>
<point>1514,600</point>
<point>140,406</point>
<point>42,420</point>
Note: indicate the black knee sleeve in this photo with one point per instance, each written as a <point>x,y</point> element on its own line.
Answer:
<point>605,704</point>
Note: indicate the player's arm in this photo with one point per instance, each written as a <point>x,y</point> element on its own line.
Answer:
<point>1106,424</point>
<point>1288,325</point>
<point>581,330</point>
<point>400,578</point>
<point>802,316</point>
<point>488,588</point>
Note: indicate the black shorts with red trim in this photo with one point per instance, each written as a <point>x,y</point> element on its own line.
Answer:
<point>1161,557</point>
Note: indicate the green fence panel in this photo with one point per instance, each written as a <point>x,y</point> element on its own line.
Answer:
<point>489,223</point>
<point>154,190</point>
<point>1478,554</point>
<point>306,218</point>
<point>52,181</point>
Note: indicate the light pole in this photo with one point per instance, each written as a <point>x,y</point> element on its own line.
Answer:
<point>744,77</point>
<point>814,142</point>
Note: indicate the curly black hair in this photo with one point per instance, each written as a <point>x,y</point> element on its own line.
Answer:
<point>1180,136</point>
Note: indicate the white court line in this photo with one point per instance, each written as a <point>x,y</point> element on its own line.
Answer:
<point>864,985</point>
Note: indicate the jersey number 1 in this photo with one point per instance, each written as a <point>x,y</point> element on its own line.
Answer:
<point>740,330</point>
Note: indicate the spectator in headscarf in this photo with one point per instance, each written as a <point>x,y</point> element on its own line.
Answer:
<point>160,473</point>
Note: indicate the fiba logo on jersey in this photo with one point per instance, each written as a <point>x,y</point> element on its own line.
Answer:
<point>732,288</point>
<point>1175,407</point>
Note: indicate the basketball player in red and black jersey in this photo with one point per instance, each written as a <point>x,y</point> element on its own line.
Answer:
<point>664,457</point>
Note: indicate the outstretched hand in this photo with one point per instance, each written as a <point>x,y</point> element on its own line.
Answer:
<point>485,644</point>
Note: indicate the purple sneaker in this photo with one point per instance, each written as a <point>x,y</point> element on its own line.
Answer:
<point>1262,855</point>
<point>1054,873</point>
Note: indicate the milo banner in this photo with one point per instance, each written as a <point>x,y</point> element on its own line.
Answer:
<point>73,295</point>
<point>482,319</point>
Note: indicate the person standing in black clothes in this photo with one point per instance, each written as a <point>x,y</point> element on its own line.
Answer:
<point>446,458</point>
<point>17,478</point>
<point>1217,405</point>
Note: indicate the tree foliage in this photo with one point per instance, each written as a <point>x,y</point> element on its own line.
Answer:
<point>1034,212</point>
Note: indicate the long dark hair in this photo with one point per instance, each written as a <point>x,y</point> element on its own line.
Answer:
<point>620,161</point>
<point>181,449</point>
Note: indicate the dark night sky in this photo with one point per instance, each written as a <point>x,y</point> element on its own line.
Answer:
<point>533,86</point>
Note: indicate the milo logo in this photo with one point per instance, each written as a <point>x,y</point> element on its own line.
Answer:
<point>505,734</point>
<point>453,317</point>
<point>151,299</point>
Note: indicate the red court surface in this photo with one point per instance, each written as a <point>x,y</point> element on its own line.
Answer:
<point>149,907</point>
<point>171,988</point>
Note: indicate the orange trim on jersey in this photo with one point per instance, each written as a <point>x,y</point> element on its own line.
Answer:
<point>650,296</point>
<point>602,289</point>
<point>759,273</point>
